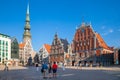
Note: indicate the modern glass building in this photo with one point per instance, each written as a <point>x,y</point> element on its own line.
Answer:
<point>5,48</point>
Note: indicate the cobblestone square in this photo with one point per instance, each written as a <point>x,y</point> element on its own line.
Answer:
<point>30,73</point>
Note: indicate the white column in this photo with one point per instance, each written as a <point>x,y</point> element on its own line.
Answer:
<point>9,50</point>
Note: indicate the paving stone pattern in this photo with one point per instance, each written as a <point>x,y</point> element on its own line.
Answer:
<point>30,73</point>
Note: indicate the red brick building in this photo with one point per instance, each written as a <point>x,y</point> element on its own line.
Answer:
<point>88,45</point>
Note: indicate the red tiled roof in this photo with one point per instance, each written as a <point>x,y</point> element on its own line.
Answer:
<point>48,48</point>
<point>21,45</point>
<point>102,43</point>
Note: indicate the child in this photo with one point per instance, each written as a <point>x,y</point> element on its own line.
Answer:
<point>49,70</point>
<point>54,67</point>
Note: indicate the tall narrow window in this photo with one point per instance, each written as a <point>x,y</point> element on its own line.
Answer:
<point>6,54</point>
<point>0,42</point>
<point>3,54</point>
<point>6,43</point>
<point>3,42</point>
<point>80,55</point>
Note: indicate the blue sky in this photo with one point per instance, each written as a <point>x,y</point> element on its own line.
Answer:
<point>61,16</point>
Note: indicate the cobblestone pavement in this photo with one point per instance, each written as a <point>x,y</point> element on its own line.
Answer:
<point>30,73</point>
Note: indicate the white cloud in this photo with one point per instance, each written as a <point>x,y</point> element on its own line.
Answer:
<point>118,29</point>
<point>103,27</point>
<point>108,32</point>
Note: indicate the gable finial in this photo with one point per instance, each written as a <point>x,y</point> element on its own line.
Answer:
<point>83,22</point>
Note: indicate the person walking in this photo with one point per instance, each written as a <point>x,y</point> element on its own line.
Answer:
<point>6,67</point>
<point>50,70</point>
<point>81,66</point>
<point>63,66</point>
<point>54,67</point>
<point>44,68</point>
<point>37,67</point>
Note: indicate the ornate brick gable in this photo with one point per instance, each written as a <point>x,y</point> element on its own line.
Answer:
<point>88,43</point>
<point>58,49</point>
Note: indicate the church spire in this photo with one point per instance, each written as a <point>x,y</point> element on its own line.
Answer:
<point>27,14</point>
<point>27,35</point>
<point>56,35</point>
<point>28,8</point>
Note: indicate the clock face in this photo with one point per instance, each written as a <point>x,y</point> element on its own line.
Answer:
<point>82,30</point>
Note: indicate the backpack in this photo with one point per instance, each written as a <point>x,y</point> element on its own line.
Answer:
<point>44,66</point>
